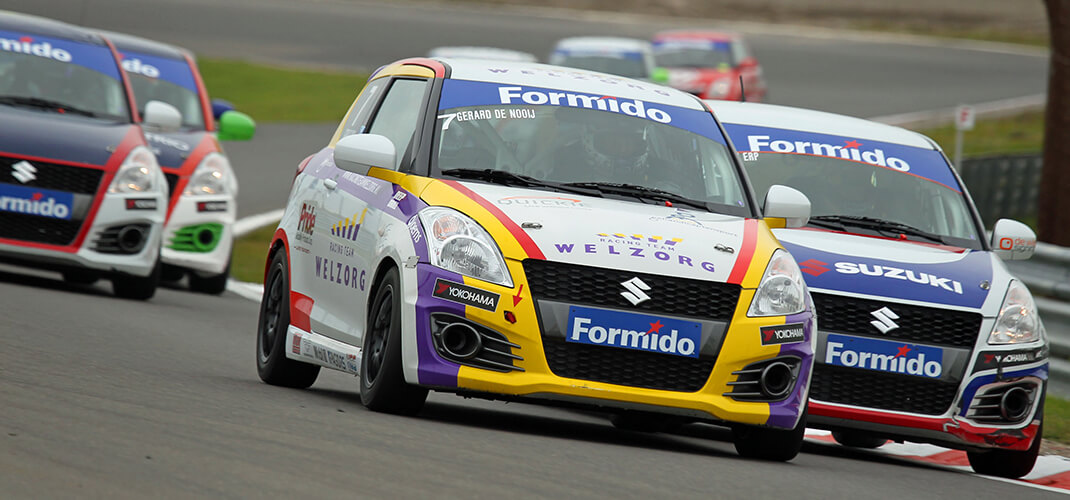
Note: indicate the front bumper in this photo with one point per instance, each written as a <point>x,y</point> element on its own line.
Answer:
<point>199,234</point>
<point>93,254</point>
<point>959,427</point>
<point>533,378</point>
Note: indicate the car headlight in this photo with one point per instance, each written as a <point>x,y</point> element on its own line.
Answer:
<point>213,176</point>
<point>137,174</point>
<point>457,243</point>
<point>720,87</point>
<point>1018,322</point>
<point>781,291</point>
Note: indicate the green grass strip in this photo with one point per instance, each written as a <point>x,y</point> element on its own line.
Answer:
<point>275,94</point>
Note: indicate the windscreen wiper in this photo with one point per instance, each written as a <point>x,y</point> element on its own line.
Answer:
<point>641,192</point>
<point>510,179</point>
<point>873,223</point>
<point>37,102</point>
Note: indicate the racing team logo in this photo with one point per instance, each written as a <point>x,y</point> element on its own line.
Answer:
<point>24,171</point>
<point>306,223</point>
<point>783,334</point>
<point>884,321</point>
<point>347,229</point>
<point>467,295</point>
<point>32,201</point>
<point>635,287</point>
<point>884,356</point>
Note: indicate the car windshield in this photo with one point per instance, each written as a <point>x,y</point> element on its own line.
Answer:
<point>569,140</point>
<point>672,55</point>
<point>61,76</point>
<point>167,80</point>
<point>629,66</point>
<point>861,185</point>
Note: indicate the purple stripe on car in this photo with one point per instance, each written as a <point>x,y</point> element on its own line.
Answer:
<point>433,370</point>
<point>783,414</point>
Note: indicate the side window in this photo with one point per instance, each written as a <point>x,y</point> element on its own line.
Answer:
<point>365,104</point>
<point>398,115</point>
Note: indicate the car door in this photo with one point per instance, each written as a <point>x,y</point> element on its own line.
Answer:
<point>353,208</point>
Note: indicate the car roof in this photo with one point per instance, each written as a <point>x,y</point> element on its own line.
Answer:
<point>17,21</point>
<point>124,42</point>
<point>603,43</point>
<point>807,120</point>
<point>493,53</point>
<point>718,36</point>
<point>568,79</point>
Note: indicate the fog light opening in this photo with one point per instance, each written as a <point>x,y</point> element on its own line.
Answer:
<point>776,380</point>
<point>461,341</point>
<point>1014,404</point>
<point>131,238</point>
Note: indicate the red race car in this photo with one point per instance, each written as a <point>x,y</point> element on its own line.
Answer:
<point>710,64</point>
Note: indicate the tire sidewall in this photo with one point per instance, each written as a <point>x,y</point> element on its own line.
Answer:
<point>276,354</point>
<point>390,283</point>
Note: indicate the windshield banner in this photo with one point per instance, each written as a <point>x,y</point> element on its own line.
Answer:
<point>927,164</point>
<point>95,57</point>
<point>465,93</point>
<point>691,43</point>
<point>175,71</point>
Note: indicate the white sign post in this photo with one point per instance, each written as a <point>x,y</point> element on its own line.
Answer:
<point>964,120</point>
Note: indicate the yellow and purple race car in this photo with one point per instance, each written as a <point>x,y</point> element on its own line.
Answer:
<point>534,233</point>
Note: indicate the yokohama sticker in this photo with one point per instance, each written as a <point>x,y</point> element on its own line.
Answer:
<point>467,295</point>
<point>783,334</point>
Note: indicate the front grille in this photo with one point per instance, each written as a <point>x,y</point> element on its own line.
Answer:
<point>583,285</point>
<point>873,389</point>
<point>927,325</point>
<point>626,366</point>
<point>38,229</point>
<point>172,181</point>
<point>83,180</point>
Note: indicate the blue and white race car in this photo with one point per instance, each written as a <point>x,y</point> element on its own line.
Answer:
<point>924,334</point>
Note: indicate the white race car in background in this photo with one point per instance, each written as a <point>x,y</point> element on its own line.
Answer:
<point>924,334</point>
<point>489,53</point>
<point>627,57</point>
<point>203,188</point>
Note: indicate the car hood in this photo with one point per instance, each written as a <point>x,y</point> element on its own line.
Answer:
<point>61,137</point>
<point>616,234</point>
<point>174,148</point>
<point>839,262</point>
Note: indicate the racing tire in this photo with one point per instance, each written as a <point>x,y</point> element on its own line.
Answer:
<point>79,277</point>
<point>858,439</point>
<point>272,365</point>
<point>764,443</point>
<point>172,273</point>
<point>1010,464</point>
<point>212,285</point>
<point>137,287</point>
<point>382,379</point>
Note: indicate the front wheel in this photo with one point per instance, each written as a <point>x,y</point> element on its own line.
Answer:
<point>271,362</point>
<point>137,287</point>
<point>764,443</point>
<point>212,285</point>
<point>382,379</point>
<point>1006,463</point>
<point>858,439</point>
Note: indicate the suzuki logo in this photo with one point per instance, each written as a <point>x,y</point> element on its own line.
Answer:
<point>635,287</point>
<point>23,171</point>
<point>813,267</point>
<point>884,321</point>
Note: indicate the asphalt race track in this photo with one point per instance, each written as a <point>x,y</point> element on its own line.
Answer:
<point>103,397</point>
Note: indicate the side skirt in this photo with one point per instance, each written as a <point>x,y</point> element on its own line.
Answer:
<point>308,347</point>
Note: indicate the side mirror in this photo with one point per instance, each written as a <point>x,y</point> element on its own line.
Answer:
<point>220,106</point>
<point>1012,240</point>
<point>161,117</point>
<point>788,204</point>
<point>359,152</point>
<point>236,126</point>
<point>660,76</point>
